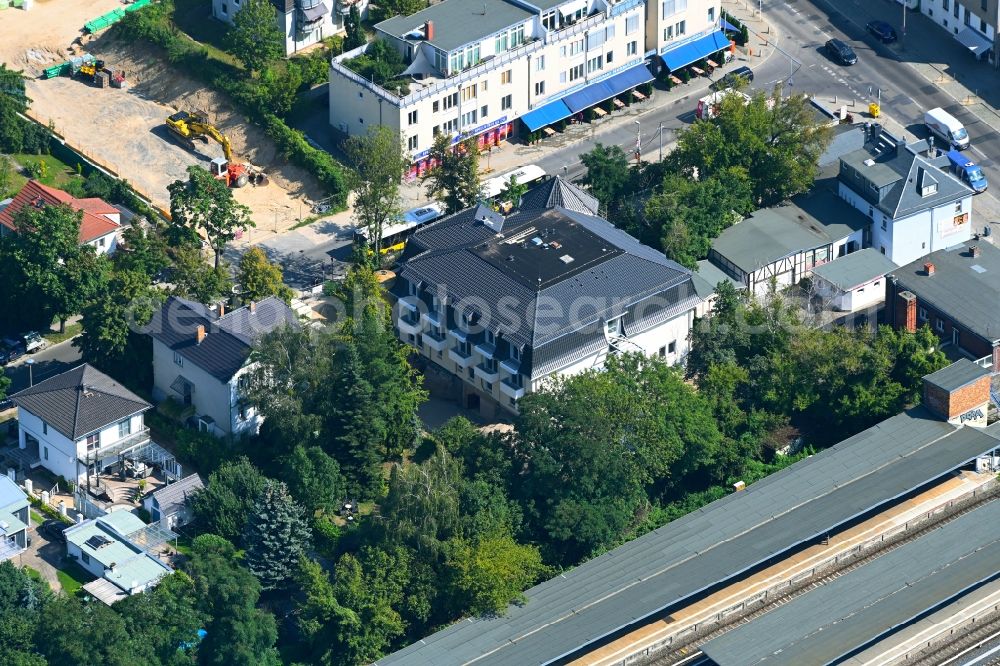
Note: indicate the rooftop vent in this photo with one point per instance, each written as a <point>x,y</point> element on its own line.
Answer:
<point>978,268</point>
<point>566,259</point>
<point>869,162</point>
<point>929,268</point>
<point>974,251</point>
<point>536,241</point>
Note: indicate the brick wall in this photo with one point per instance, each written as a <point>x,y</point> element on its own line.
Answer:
<point>951,405</point>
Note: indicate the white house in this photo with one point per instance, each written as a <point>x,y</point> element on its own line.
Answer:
<point>80,420</point>
<point>169,505</point>
<point>973,23</point>
<point>854,282</point>
<point>201,358</point>
<point>14,519</point>
<point>502,304</point>
<point>914,206</point>
<point>785,243</point>
<point>106,547</point>
<point>100,221</point>
<point>302,22</point>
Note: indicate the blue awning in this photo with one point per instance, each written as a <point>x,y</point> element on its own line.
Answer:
<point>596,93</point>
<point>545,115</point>
<point>729,27</point>
<point>696,49</point>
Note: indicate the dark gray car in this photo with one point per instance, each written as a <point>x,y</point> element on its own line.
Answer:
<point>841,52</point>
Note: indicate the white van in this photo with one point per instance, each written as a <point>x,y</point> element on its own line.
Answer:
<point>945,126</point>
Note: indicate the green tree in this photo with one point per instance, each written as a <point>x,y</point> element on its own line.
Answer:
<point>143,250</point>
<point>422,506</point>
<point>490,574</point>
<point>194,278</point>
<point>608,174</point>
<point>370,589</point>
<point>379,164</point>
<point>17,135</point>
<point>916,355</point>
<point>165,617</point>
<point>6,176</point>
<point>513,191</point>
<point>255,38</point>
<point>314,479</point>
<point>202,202</point>
<point>276,536</point>
<point>390,8</point>
<point>238,633</point>
<point>229,498</point>
<point>355,33</point>
<point>258,278</point>
<point>776,141</point>
<point>86,634</point>
<point>454,180</point>
<point>23,600</point>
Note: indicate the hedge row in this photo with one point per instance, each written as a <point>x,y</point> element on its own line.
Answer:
<point>152,25</point>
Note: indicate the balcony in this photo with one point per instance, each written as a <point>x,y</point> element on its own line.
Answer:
<point>486,373</point>
<point>461,359</point>
<point>435,340</point>
<point>511,389</point>
<point>118,446</point>
<point>432,318</point>
<point>409,324</point>
<point>486,350</point>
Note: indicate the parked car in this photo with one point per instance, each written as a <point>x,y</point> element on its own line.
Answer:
<point>841,52</point>
<point>884,32</point>
<point>733,78</point>
<point>53,530</point>
<point>13,349</point>
<point>34,342</point>
<point>6,404</point>
<point>4,356</point>
<point>945,126</point>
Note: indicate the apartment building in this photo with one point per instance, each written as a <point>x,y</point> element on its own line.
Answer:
<point>303,22</point>
<point>474,68</point>
<point>974,23</point>
<point>680,32</point>
<point>501,304</point>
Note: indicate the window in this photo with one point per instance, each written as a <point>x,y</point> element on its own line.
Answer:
<point>46,452</point>
<point>663,352</point>
<point>93,442</point>
<point>958,207</point>
<point>711,14</point>
<point>450,126</point>
<point>436,130</point>
<point>631,24</point>
<point>595,39</point>
<point>124,428</point>
<point>488,386</point>
<point>922,313</point>
<point>632,48</point>
<point>45,428</point>
<point>468,118</point>
<point>595,64</point>
<point>225,9</point>
<point>84,556</point>
<point>469,93</point>
<point>608,57</point>
<point>956,8</point>
<point>614,327</point>
<point>968,18</point>
<point>540,88</point>
<point>483,112</point>
<point>436,106</point>
<point>668,33</point>
<point>576,47</point>
<point>506,102</point>
<point>540,63</point>
<point>680,28</point>
<point>550,20</point>
<point>576,72</point>
<point>178,359</point>
<point>491,337</point>
<point>244,411</point>
<point>411,143</point>
<point>939,325</point>
<point>871,212</point>
<point>450,100</point>
<point>672,347</point>
<point>505,77</point>
<point>945,4</point>
<point>515,352</point>
<point>411,118</point>
<point>472,374</point>
<point>885,224</point>
<point>982,25</point>
<point>983,5</point>
<point>100,243</point>
<point>669,8</point>
<point>517,381</point>
<point>881,249</point>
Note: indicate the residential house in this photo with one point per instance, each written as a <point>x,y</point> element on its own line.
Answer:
<point>98,228</point>
<point>80,420</point>
<point>14,519</point>
<point>474,68</point>
<point>682,32</point>
<point>914,207</point>
<point>785,243</point>
<point>955,291</point>
<point>973,23</point>
<point>106,547</point>
<point>201,359</point>
<point>169,504</point>
<point>502,304</point>
<point>302,22</point>
<point>854,282</point>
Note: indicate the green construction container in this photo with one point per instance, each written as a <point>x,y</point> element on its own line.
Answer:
<point>3,4</point>
<point>137,5</point>
<point>62,69</point>
<point>105,20</point>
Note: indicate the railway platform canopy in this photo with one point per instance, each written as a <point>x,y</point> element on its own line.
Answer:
<point>660,571</point>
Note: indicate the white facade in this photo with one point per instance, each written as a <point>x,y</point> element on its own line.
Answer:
<point>671,23</point>
<point>64,457</point>
<point>107,244</point>
<point>858,297</point>
<point>303,23</point>
<point>955,16</point>
<point>211,397</point>
<point>519,69</point>
<point>908,238</point>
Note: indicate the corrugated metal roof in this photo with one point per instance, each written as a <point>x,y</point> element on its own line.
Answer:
<point>845,614</point>
<point>80,401</point>
<point>708,546</point>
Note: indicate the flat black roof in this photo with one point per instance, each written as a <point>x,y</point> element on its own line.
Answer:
<point>713,545</point>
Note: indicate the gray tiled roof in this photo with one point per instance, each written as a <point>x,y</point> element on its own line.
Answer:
<point>958,374</point>
<point>172,498</point>
<point>714,544</point>
<point>813,220</point>
<point>709,276</point>
<point>967,290</point>
<point>459,22</point>
<point>855,269</point>
<point>80,401</point>
<point>229,338</point>
<point>845,614</point>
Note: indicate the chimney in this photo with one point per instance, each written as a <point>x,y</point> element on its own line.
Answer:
<point>974,251</point>
<point>929,268</point>
<point>199,333</point>
<point>429,31</point>
<point>906,310</point>
<point>959,394</point>
<point>221,309</point>
<point>252,306</point>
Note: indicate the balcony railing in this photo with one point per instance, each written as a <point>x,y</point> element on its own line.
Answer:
<point>435,340</point>
<point>461,358</point>
<point>511,389</point>
<point>408,324</point>
<point>486,373</point>
<point>119,446</point>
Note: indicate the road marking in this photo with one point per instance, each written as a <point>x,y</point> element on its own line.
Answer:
<point>981,153</point>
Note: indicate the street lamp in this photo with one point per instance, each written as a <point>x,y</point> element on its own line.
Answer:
<point>659,133</point>
<point>638,141</point>
<point>31,376</point>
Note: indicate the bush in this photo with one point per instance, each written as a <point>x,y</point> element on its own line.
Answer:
<point>381,64</point>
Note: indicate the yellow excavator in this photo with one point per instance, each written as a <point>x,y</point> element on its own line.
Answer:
<point>190,126</point>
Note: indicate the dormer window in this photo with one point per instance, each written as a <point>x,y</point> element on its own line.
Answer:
<point>491,337</point>
<point>928,190</point>
<point>515,352</point>
<point>614,327</point>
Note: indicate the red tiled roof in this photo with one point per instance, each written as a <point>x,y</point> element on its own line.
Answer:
<point>94,224</point>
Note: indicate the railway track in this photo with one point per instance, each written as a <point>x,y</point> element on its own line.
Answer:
<point>973,647</point>
<point>689,653</point>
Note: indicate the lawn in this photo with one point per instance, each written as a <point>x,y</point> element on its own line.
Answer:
<point>194,18</point>
<point>53,171</point>
<point>72,577</point>
<point>72,330</point>
<point>37,517</point>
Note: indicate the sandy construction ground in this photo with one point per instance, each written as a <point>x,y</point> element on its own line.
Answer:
<point>124,129</point>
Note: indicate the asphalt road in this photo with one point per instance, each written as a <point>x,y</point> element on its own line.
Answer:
<point>48,362</point>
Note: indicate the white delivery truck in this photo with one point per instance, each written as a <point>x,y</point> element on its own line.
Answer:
<point>945,126</point>
<point>708,106</point>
